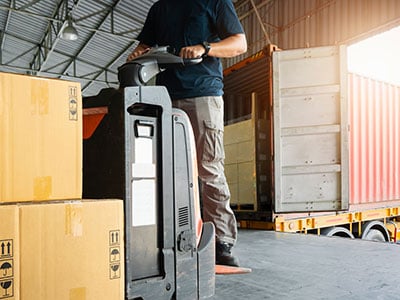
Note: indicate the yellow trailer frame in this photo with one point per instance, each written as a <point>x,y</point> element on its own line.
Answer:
<point>303,224</point>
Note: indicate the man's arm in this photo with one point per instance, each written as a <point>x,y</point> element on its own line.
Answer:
<point>229,47</point>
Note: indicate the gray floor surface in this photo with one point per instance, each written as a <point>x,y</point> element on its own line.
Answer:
<point>298,266</point>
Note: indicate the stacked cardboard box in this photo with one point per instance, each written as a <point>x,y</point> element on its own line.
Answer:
<point>62,250</point>
<point>9,258</point>
<point>40,139</point>
<point>53,244</point>
<point>240,163</point>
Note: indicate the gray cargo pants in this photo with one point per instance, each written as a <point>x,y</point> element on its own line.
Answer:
<point>206,115</point>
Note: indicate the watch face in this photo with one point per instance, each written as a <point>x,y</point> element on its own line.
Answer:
<point>207,47</point>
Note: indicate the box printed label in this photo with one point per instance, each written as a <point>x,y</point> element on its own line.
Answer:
<point>6,248</point>
<point>114,237</point>
<point>115,254</point>
<point>6,269</point>
<point>6,288</point>
<point>73,103</point>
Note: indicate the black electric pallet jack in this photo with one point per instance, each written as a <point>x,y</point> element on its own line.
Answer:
<point>138,148</point>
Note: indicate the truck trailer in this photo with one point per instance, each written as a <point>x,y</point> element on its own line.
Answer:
<point>311,147</point>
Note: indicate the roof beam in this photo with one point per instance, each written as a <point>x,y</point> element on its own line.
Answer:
<point>2,35</point>
<point>71,58</point>
<point>108,65</point>
<point>50,38</point>
<point>12,8</point>
<point>122,34</point>
<point>85,45</point>
<point>52,74</point>
<point>29,4</point>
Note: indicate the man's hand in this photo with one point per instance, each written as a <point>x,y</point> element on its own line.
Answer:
<point>195,51</point>
<point>139,50</point>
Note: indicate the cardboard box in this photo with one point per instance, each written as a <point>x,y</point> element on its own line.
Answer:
<point>40,139</point>
<point>9,254</point>
<point>240,164</point>
<point>65,251</point>
<point>247,184</point>
<point>72,251</point>
<point>231,174</point>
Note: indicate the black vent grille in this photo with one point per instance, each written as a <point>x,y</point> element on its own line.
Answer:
<point>183,216</point>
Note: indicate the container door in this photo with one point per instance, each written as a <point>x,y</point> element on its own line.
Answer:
<point>310,129</point>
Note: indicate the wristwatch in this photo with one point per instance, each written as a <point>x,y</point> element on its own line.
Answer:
<point>207,47</point>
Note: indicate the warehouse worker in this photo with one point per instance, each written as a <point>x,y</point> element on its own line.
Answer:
<point>208,29</point>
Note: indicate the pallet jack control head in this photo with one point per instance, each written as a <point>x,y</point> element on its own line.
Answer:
<point>140,70</point>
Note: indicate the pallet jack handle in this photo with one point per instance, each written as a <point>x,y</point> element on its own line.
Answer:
<point>140,70</point>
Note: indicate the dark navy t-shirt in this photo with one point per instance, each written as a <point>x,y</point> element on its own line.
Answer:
<point>180,23</point>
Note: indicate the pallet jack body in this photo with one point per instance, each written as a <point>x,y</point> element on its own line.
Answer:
<point>142,150</point>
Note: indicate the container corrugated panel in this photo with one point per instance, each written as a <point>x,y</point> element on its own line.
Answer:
<point>311,23</point>
<point>268,10</point>
<point>294,24</point>
<point>374,140</point>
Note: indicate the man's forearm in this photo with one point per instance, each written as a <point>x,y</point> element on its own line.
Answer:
<point>229,47</point>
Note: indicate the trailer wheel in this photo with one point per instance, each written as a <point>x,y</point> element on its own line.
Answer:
<point>337,231</point>
<point>375,231</point>
<point>374,235</point>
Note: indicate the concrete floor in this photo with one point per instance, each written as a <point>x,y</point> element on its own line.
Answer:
<point>297,266</point>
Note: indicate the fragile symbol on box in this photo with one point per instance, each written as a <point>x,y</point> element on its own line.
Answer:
<point>115,270</point>
<point>6,288</point>
<point>6,248</point>
<point>6,268</point>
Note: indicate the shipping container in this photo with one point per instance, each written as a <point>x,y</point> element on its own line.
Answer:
<point>374,115</point>
<point>326,144</point>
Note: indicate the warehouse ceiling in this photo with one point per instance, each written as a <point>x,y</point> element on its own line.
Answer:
<point>31,43</point>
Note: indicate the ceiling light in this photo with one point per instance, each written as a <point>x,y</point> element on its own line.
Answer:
<point>69,32</point>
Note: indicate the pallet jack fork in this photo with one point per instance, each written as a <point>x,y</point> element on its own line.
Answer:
<point>140,149</point>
